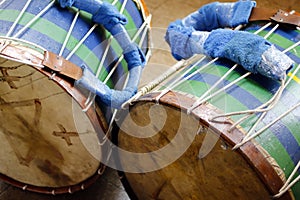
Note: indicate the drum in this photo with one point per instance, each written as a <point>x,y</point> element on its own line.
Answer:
<point>52,130</point>
<point>214,130</point>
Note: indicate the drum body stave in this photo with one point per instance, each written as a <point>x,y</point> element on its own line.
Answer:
<point>208,168</point>
<point>49,135</point>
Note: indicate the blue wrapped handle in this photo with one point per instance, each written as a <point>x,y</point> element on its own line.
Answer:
<point>220,15</point>
<point>107,15</point>
<point>251,51</point>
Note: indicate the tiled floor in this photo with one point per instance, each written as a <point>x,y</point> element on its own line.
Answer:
<point>164,11</point>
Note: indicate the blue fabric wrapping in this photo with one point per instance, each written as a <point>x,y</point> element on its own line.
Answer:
<point>244,48</point>
<point>118,31</point>
<point>90,6</point>
<point>132,53</point>
<point>65,3</point>
<point>134,57</point>
<point>120,97</point>
<point>241,47</point>
<point>122,37</point>
<point>251,51</point>
<point>110,97</point>
<point>189,36</point>
<point>185,41</point>
<point>109,16</point>
<point>94,85</point>
<point>220,15</point>
<point>103,12</point>
<point>274,64</point>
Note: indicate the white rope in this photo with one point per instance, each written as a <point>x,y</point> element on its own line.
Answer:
<point>18,18</point>
<point>89,102</point>
<point>114,2</point>
<point>144,90</point>
<point>292,47</point>
<point>183,77</point>
<point>263,28</point>
<point>3,1</point>
<point>81,41</point>
<point>196,103</point>
<point>109,43</point>
<point>222,89</point>
<point>104,56</point>
<point>123,6</point>
<point>106,137</point>
<point>88,99</point>
<point>34,19</point>
<point>271,31</point>
<point>288,184</point>
<point>259,109</point>
<point>109,40</point>
<point>69,33</point>
<point>143,27</point>
<point>277,97</point>
<point>270,104</point>
<point>200,100</point>
<point>268,126</point>
<point>247,116</point>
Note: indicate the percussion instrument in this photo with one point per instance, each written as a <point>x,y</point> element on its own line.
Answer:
<point>50,128</point>
<point>215,131</point>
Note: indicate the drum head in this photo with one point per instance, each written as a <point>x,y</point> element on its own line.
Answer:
<point>208,169</point>
<point>188,177</point>
<point>54,133</point>
<point>43,131</point>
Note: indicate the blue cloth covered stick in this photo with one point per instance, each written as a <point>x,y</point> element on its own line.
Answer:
<point>107,15</point>
<point>219,15</point>
<point>253,52</point>
<point>110,97</point>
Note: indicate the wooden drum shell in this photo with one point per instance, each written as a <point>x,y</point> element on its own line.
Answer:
<point>256,170</point>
